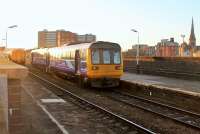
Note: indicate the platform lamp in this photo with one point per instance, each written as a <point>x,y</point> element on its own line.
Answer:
<point>10,27</point>
<point>183,36</point>
<point>138,51</point>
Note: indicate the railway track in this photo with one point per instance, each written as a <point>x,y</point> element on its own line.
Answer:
<point>190,119</point>
<point>113,120</point>
<point>126,100</point>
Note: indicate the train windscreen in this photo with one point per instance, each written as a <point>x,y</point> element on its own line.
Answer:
<point>117,57</point>
<point>95,56</point>
<point>106,56</point>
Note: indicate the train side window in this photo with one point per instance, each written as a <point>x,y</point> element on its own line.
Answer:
<point>72,55</point>
<point>69,54</point>
<point>95,56</point>
<point>83,54</point>
<point>66,55</point>
<point>59,54</point>
<point>63,55</point>
<point>106,56</point>
<point>117,57</point>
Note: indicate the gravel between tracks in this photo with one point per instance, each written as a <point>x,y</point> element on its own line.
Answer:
<point>148,120</point>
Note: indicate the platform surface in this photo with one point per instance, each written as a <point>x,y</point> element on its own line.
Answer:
<point>12,70</point>
<point>3,104</point>
<point>187,86</point>
<point>32,116</point>
<point>2,120</point>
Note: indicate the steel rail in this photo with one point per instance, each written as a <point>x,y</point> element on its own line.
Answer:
<point>160,105</point>
<point>138,127</point>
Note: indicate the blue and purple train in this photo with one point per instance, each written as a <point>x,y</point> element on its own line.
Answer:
<point>98,64</point>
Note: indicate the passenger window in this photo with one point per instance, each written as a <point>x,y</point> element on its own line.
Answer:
<point>83,54</point>
<point>116,57</point>
<point>106,56</point>
<point>70,55</point>
<point>95,57</point>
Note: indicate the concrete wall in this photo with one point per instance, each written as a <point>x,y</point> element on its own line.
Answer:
<point>3,104</point>
<point>183,67</point>
<point>10,106</point>
<point>10,92</point>
<point>15,118</point>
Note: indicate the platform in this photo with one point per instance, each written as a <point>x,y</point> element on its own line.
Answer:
<point>23,103</point>
<point>2,118</point>
<point>3,104</point>
<point>12,70</point>
<point>26,113</point>
<point>11,75</point>
<point>185,86</point>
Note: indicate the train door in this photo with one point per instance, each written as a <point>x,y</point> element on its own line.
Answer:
<point>47,60</point>
<point>77,62</point>
<point>82,81</point>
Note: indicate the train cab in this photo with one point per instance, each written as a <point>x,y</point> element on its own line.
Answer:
<point>104,64</point>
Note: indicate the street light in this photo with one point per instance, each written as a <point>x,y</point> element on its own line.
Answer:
<point>183,36</point>
<point>13,26</point>
<point>138,46</point>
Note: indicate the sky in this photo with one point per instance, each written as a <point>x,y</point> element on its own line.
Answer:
<point>109,20</point>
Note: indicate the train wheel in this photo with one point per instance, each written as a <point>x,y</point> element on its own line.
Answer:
<point>83,82</point>
<point>80,82</point>
<point>46,70</point>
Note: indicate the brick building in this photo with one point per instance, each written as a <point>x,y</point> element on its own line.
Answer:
<point>55,38</point>
<point>86,38</point>
<point>2,49</point>
<point>151,51</point>
<point>144,50</point>
<point>196,52</point>
<point>184,50</point>
<point>167,48</point>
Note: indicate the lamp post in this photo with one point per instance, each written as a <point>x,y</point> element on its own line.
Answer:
<point>138,50</point>
<point>10,27</point>
<point>183,36</point>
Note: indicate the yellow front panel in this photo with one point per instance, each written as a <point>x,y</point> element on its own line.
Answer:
<point>103,70</point>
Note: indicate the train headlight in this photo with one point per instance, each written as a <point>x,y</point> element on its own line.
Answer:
<point>95,68</point>
<point>117,67</point>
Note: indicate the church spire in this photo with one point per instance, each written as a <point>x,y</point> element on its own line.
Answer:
<point>192,40</point>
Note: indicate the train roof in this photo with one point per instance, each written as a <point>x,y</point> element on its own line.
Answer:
<point>98,44</point>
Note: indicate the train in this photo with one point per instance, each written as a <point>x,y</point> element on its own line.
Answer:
<point>97,64</point>
<point>17,55</point>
